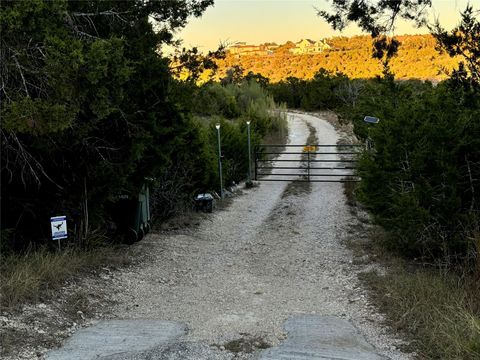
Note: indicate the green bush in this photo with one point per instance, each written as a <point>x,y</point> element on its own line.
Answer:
<point>319,93</point>
<point>194,164</point>
<point>419,181</point>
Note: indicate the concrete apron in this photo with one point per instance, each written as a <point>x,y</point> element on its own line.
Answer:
<point>321,337</point>
<point>117,337</point>
<point>309,337</point>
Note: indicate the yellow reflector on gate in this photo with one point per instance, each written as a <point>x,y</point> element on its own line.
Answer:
<point>310,148</point>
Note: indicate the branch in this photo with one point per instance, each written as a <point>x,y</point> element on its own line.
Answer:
<point>472,188</point>
<point>27,164</point>
<point>102,13</point>
<point>21,74</point>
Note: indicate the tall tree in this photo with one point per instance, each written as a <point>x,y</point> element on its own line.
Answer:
<point>85,105</point>
<point>463,41</point>
<point>378,18</point>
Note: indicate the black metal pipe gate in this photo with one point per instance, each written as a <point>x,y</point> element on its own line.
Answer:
<point>310,163</point>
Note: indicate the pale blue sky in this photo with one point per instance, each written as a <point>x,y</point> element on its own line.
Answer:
<point>259,21</point>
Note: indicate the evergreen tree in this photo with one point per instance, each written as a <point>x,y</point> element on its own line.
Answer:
<point>85,107</point>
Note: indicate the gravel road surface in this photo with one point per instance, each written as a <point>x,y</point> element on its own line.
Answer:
<point>276,253</point>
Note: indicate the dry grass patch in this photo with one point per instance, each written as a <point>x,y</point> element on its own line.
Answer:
<point>36,275</point>
<point>439,313</point>
<point>436,310</point>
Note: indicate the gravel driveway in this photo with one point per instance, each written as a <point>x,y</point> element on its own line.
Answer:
<point>277,251</point>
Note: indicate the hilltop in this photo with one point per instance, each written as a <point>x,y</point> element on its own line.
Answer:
<point>417,58</point>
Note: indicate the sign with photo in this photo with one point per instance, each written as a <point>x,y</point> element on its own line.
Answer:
<point>59,227</point>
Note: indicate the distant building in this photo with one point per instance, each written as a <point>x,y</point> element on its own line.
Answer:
<point>242,49</point>
<point>307,46</point>
<point>270,47</point>
<point>304,46</point>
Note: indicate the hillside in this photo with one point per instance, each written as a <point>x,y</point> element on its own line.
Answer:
<point>417,58</point>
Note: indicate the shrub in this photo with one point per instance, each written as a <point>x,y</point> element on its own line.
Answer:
<point>419,180</point>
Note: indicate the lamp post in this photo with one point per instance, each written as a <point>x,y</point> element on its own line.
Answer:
<point>249,178</point>
<point>217,126</point>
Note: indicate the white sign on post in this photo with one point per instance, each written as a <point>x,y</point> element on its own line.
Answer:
<point>59,227</point>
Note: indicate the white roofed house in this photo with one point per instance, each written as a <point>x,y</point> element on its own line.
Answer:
<point>307,46</point>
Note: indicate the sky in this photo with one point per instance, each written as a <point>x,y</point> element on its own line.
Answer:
<point>260,21</point>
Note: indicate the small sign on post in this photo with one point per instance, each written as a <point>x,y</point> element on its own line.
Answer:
<point>59,228</point>
<point>371,120</point>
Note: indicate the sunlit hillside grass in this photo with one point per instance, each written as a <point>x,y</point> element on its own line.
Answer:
<point>417,58</point>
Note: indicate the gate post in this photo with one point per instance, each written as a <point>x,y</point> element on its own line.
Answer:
<point>308,164</point>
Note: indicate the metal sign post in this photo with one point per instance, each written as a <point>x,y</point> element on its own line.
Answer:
<point>308,165</point>
<point>59,228</point>
<point>368,141</point>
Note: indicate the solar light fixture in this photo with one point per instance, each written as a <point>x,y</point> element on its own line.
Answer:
<point>368,140</point>
<point>371,120</point>
<point>217,126</point>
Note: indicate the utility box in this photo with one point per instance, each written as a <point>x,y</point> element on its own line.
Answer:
<point>204,202</point>
<point>131,214</point>
<point>142,221</point>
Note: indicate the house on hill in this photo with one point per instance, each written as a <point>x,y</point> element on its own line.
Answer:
<point>307,46</point>
<point>270,47</point>
<point>242,49</point>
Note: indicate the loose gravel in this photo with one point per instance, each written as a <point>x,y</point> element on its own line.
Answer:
<point>276,251</point>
